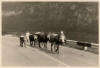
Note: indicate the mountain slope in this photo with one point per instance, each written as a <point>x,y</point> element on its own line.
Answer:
<point>74,18</point>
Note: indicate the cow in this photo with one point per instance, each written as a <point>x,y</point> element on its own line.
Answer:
<point>56,40</point>
<point>42,38</point>
<point>33,38</point>
<point>22,41</point>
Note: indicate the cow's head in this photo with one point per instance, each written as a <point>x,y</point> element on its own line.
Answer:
<point>35,37</point>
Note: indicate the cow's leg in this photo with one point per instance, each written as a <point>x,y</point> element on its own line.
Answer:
<point>26,39</point>
<point>58,49</point>
<point>39,45</point>
<point>24,44</point>
<point>51,46</point>
<point>34,43</point>
<point>31,43</point>
<point>45,45</point>
<point>55,48</point>
<point>20,43</point>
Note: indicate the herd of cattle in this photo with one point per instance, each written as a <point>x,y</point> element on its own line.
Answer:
<point>55,39</point>
<point>44,38</point>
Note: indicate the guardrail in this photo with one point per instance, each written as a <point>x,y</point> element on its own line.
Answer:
<point>93,44</point>
<point>84,44</point>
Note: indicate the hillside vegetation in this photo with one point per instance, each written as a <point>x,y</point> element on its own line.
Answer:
<point>79,20</point>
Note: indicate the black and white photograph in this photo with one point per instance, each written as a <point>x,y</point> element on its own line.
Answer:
<point>50,34</point>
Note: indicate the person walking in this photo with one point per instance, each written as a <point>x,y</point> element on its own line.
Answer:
<point>27,36</point>
<point>62,37</point>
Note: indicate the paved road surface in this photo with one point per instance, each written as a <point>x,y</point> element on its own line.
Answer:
<point>13,55</point>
